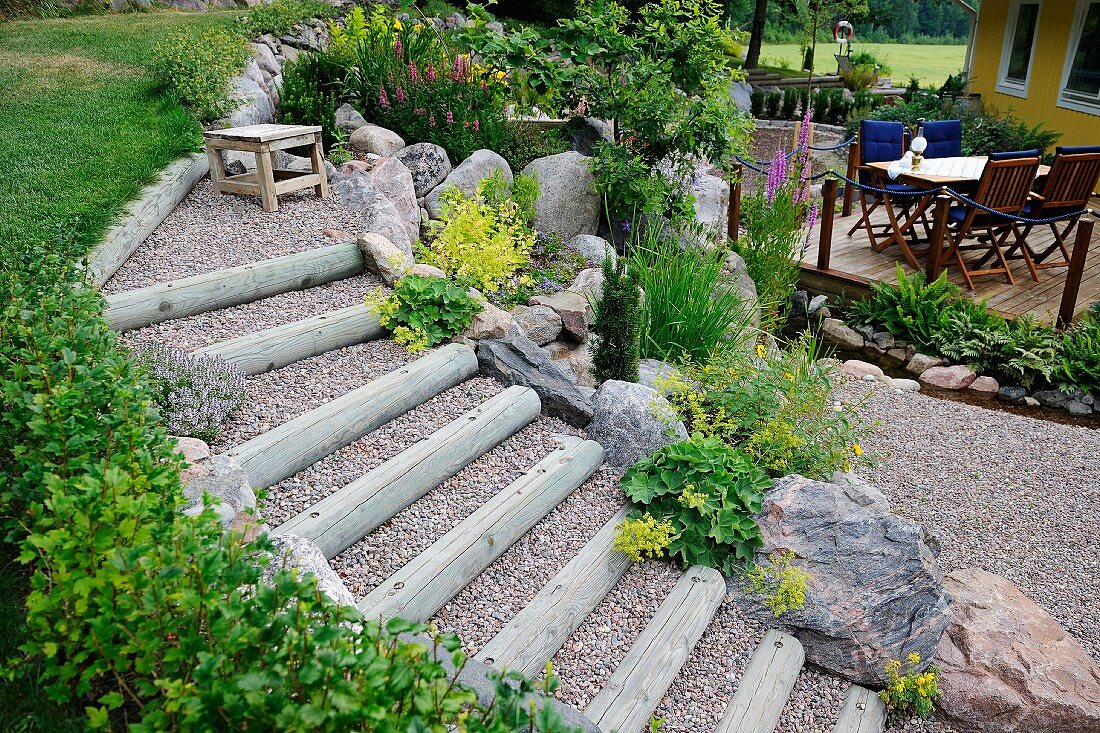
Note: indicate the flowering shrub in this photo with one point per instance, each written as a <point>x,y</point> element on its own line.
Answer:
<point>910,691</point>
<point>709,492</point>
<point>552,266</point>
<point>774,407</point>
<point>280,16</point>
<point>640,536</point>
<point>195,394</point>
<point>197,67</point>
<point>485,239</point>
<point>423,311</point>
<point>782,586</point>
<point>777,220</point>
<point>404,77</point>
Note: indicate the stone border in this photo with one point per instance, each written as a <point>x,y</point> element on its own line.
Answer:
<point>882,348</point>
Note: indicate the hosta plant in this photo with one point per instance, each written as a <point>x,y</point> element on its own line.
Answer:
<point>424,311</point>
<point>195,394</point>
<point>709,492</point>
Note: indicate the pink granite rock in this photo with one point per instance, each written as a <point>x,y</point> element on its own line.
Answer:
<point>859,369</point>
<point>948,377</point>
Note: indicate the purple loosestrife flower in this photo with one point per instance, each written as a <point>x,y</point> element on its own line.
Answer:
<point>383,99</point>
<point>777,176</point>
<point>811,220</point>
<point>413,73</point>
<point>400,95</point>
<point>430,73</point>
<point>477,125</point>
<point>398,51</point>
<point>450,117</point>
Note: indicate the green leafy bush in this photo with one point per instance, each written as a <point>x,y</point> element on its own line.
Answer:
<point>872,59</point>
<point>485,239</point>
<point>858,77</point>
<point>709,492</point>
<point>911,309</point>
<point>691,306</point>
<point>424,311</point>
<point>615,354</point>
<point>775,407</point>
<point>781,585</point>
<point>194,394</point>
<point>197,68</point>
<point>311,92</point>
<point>280,17</point>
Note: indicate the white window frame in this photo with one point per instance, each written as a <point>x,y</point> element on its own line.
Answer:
<point>1077,105</point>
<point>1012,86</point>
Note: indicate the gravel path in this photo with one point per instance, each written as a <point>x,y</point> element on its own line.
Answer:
<point>204,329</point>
<point>210,231</point>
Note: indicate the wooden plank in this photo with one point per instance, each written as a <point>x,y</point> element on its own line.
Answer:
<point>346,516</point>
<point>280,453</point>
<point>418,590</point>
<point>636,687</point>
<point>272,348</point>
<point>538,631</point>
<point>232,286</point>
<point>765,686</point>
<point>863,712</point>
<point>265,132</point>
<point>144,214</point>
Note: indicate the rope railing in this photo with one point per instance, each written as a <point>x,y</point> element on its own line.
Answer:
<point>838,146</point>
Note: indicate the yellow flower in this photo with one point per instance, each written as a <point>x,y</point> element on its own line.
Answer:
<point>789,376</point>
<point>858,450</point>
<point>913,657</point>
<point>760,350</point>
<point>397,25</point>
<point>499,75</point>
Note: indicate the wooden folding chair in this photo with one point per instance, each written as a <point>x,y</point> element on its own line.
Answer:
<point>1067,189</point>
<point>1004,187</point>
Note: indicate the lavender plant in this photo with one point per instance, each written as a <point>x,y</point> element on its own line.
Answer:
<point>195,394</point>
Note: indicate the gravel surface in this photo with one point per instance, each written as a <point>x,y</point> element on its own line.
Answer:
<point>1014,495</point>
<point>210,231</point>
<point>367,563</point>
<point>204,329</point>
<point>766,141</point>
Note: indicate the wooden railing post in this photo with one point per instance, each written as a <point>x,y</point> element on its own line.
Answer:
<point>828,213</point>
<point>849,189</point>
<point>733,212</point>
<point>1076,270</point>
<point>939,233</point>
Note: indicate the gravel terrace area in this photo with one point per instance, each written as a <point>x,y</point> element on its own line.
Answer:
<point>210,231</point>
<point>766,140</point>
<point>1013,495</point>
<point>367,563</point>
<point>204,329</point>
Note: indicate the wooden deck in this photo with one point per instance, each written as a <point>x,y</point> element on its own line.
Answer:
<point>853,266</point>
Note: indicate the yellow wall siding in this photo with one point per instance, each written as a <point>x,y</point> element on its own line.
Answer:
<point>1047,64</point>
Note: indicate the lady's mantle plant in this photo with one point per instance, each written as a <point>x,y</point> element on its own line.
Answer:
<point>423,311</point>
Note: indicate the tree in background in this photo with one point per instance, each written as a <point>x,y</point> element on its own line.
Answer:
<point>756,40</point>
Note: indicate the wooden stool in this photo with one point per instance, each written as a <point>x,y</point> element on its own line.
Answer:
<point>268,181</point>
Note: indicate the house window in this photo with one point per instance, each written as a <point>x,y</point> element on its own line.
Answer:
<point>1023,24</point>
<point>1081,80</point>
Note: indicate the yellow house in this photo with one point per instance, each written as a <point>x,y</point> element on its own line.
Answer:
<point>1041,59</point>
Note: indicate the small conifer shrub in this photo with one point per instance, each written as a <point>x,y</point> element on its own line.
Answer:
<point>616,350</point>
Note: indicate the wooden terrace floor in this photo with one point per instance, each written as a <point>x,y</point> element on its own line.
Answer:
<point>854,266</point>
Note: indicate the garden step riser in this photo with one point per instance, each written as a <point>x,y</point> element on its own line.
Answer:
<point>635,689</point>
<point>863,712</point>
<point>429,581</point>
<point>232,286</point>
<point>343,518</point>
<point>765,686</point>
<point>537,632</point>
<point>280,453</point>
<point>273,348</point>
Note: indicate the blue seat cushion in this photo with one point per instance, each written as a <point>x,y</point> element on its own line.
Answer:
<point>1076,149</point>
<point>1014,154</point>
<point>880,141</point>
<point>944,138</point>
<point>956,215</point>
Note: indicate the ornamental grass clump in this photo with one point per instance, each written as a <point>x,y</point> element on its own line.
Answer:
<point>195,394</point>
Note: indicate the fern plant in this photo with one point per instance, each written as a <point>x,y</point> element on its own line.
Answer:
<point>1079,366</point>
<point>912,309</point>
<point>1031,354</point>
<point>969,333</point>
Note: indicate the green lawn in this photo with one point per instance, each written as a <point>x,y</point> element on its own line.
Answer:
<point>82,125</point>
<point>930,64</point>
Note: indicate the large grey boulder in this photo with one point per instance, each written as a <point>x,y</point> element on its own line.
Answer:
<point>224,482</point>
<point>567,204</point>
<point>265,59</point>
<point>294,553</point>
<point>586,132</point>
<point>370,138</point>
<point>516,359</point>
<point>428,164</point>
<point>383,258</point>
<point>358,192</point>
<point>480,165</point>
<point>741,94</point>
<point>875,591</point>
<point>631,421</point>
<point>251,103</point>
<point>349,120</point>
<point>712,201</point>
<point>735,268</point>
<point>394,181</point>
<point>574,309</point>
<point>541,324</point>
<point>1006,666</point>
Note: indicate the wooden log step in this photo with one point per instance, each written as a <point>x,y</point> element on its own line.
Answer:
<point>272,348</point>
<point>636,687</point>
<point>435,576</point>
<point>765,685</point>
<point>863,712</point>
<point>539,630</point>
<point>296,444</point>
<point>343,518</point>
<point>232,286</point>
